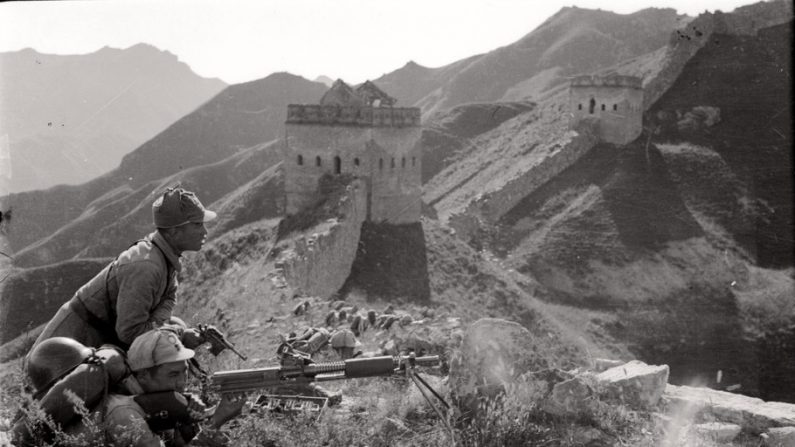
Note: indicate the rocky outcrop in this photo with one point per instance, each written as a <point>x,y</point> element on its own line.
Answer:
<point>754,415</point>
<point>635,383</point>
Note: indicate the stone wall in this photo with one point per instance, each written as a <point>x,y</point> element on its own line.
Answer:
<point>683,44</point>
<point>489,208</point>
<point>318,261</point>
<point>388,159</point>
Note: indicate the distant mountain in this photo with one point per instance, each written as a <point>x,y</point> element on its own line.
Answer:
<point>571,42</point>
<point>241,117</point>
<point>325,80</point>
<point>72,118</point>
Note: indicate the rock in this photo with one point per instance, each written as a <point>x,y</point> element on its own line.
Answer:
<point>635,384</point>
<point>754,415</point>
<point>406,320</point>
<point>719,432</point>
<point>494,353</point>
<point>342,316</point>
<point>337,305</point>
<point>299,309</point>
<point>600,365</point>
<point>570,396</point>
<point>780,437</point>
<point>371,317</point>
<point>390,309</point>
<point>331,318</point>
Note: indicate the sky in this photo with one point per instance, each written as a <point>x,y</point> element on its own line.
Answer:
<point>243,40</point>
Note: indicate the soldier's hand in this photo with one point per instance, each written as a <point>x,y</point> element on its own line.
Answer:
<point>231,405</point>
<point>197,409</point>
<point>192,338</point>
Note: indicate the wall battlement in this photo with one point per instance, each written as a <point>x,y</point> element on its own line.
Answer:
<point>338,115</point>
<point>607,81</point>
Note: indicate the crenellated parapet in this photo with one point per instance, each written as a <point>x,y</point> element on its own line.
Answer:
<point>340,115</point>
<point>620,81</point>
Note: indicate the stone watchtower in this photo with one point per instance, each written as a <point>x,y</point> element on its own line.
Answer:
<point>616,101</point>
<point>357,132</point>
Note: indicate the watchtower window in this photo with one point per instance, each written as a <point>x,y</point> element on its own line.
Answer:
<point>337,165</point>
<point>413,159</point>
<point>356,162</point>
<point>603,107</point>
<point>300,160</point>
<point>591,105</point>
<point>392,164</point>
<point>318,162</point>
<point>579,106</point>
<point>615,107</point>
<point>403,162</point>
<point>380,164</point>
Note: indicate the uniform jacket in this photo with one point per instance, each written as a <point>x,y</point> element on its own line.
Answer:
<point>140,291</point>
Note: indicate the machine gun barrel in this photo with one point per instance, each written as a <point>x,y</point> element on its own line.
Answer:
<point>246,380</point>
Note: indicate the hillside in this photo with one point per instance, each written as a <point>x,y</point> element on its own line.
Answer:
<point>240,117</point>
<point>72,118</point>
<point>28,298</point>
<point>571,42</point>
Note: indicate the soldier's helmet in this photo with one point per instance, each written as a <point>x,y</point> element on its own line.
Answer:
<point>52,359</point>
<point>343,338</point>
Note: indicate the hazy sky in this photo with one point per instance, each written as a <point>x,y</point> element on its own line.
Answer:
<point>238,40</point>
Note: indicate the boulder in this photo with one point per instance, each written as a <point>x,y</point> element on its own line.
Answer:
<point>600,365</point>
<point>754,415</point>
<point>635,384</point>
<point>718,432</point>
<point>493,353</point>
<point>780,437</point>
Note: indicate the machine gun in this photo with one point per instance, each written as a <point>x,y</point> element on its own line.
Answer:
<point>297,368</point>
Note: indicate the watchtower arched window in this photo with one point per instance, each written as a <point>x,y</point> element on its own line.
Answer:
<point>392,164</point>
<point>318,161</point>
<point>356,162</point>
<point>380,164</point>
<point>300,160</point>
<point>603,107</point>
<point>403,162</point>
<point>591,105</point>
<point>615,107</point>
<point>337,165</point>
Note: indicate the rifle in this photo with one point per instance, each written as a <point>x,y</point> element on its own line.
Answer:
<point>217,340</point>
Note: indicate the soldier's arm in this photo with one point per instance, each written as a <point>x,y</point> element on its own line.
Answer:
<point>125,425</point>
<point>136,312</point>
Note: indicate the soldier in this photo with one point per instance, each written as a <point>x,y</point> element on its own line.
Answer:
<point>137,291</point>
<point>158,361</point>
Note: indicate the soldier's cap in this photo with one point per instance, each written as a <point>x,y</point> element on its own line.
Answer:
<point>156,347</point>
<point>178,207</point>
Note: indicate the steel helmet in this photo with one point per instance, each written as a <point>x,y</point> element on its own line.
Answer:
<point>52,359</point>
<point>343,338</point>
